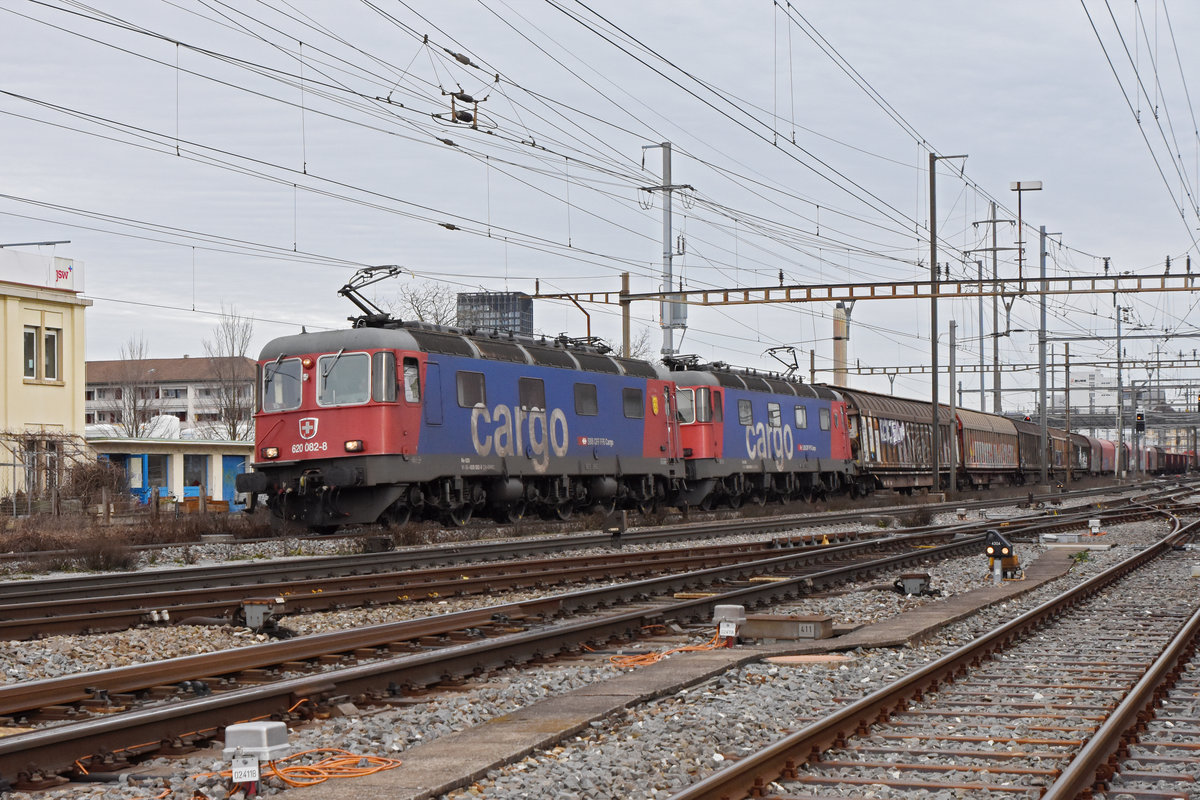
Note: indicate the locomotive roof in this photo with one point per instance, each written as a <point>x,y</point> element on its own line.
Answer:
<point>755,382</point>
<point>452,341</point>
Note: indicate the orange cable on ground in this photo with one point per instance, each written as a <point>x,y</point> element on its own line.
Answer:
<point>645,659</point>
<point>341,764</point>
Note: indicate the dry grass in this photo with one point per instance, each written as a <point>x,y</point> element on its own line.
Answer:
<point>72,543</point>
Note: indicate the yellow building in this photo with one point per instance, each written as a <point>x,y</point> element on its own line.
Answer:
<point>41,369</point>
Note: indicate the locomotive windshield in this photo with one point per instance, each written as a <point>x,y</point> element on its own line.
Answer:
<point>343,379</point>
<point>694,405</point>
<point>281,385</point>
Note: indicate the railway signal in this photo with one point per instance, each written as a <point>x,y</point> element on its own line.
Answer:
<point>1002,557</point>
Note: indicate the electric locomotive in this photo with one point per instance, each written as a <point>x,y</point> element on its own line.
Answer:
<point>747,436</point>
<point>381,423</point>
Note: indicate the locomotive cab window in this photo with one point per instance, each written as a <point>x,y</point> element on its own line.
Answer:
<point>412,381</point>
<point>281,385</point>
<point>631,401</point>
<point>384,374</point>
<point>585,400</point>
<point>704,412</point>
<point>745,412</point>
<point>471,391</point>
<point>774,415</point>
<point>685,405</point>
<point>343,379</point>
<point>532,394</point>
<point>824,419</point>
<point>801,417</point>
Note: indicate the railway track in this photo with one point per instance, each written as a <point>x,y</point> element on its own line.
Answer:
<point>443,554</point>
<point>109,603</point>
<point>1044,706</point>
<point>117,715</point>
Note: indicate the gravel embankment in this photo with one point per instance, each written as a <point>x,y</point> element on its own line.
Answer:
<point>645,754</point>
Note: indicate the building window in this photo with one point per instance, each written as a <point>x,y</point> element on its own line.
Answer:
<point>31,352</point>
<point>89,394</point>
<point>195,469</point>
<point>51,348</point>
<point>41,354</point>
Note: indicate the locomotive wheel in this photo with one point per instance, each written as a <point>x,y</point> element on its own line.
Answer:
<point>508,514</point>
<point>460,515</point>
<point>324,530</point>
<point>604,507</point>
<point>395,517</point>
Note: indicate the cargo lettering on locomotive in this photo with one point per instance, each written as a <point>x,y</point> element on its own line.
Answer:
<point>514,428</point>
<point>777,444</point>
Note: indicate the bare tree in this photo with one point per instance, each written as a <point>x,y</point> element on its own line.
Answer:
<point>426,302</point>
<point>639,347</point>
<point>130,397</point>
<point>231,375</point>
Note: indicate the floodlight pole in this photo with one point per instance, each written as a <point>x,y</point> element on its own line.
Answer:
<point>935,450</point>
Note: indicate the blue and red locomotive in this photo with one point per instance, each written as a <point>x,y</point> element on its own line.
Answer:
<point>391,420</point>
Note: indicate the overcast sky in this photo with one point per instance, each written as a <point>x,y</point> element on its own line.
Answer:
<point>201,155</point>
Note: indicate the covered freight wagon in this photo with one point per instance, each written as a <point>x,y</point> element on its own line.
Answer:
<point>987,448</point>
<point>891,439</point>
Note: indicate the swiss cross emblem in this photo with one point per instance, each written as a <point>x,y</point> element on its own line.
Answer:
<point>308,427</point>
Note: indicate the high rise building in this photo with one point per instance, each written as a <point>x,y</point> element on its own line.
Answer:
<point>502,311</point>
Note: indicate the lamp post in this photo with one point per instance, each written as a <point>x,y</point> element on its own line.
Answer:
<point>1020,187</point>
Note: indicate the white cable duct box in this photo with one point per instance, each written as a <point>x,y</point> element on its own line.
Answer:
<point>266,739</point>
<point>729,619</point>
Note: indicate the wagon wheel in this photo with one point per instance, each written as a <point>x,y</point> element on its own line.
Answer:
<point>706,504</point>
<point>324,530</point>
<point>647,507</point>
<point>562,512</point>
<point>459,515</point>
<point>735,501</point>
<point>759,499</point>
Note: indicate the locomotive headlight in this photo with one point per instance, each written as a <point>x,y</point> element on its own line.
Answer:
<point>307,362</point>
<point>270,452</point>
<point>354,446</point>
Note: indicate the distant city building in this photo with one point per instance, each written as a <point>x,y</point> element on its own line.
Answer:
<point>504,311</point>
<point>41,370</point>
<point>203,394</point>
